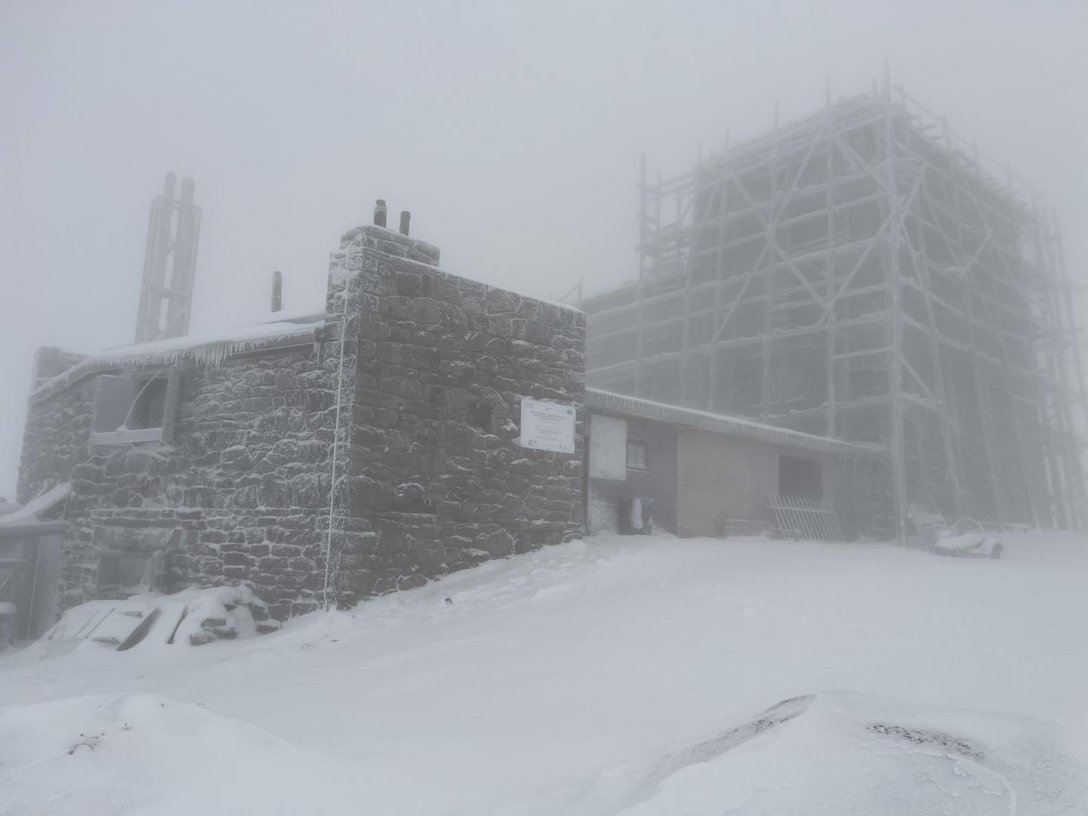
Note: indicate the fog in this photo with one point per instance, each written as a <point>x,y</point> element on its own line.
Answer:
<point>511,131</point>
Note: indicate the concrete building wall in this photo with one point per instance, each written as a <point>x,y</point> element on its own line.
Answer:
<point>657,482</point>
<point>699,479</point>
<point>722,477</point>
<point>727,478</point>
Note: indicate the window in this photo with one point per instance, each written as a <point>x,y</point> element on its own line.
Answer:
<point>122,574</point>
<point>479,415</point>
<point>131,410</point>
<point>638,455</point>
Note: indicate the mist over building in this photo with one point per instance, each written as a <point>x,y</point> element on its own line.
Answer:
<point>865,274</point>
<point>854,327</point>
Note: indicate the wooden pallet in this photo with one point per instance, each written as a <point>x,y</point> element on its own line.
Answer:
<point>807,518</point>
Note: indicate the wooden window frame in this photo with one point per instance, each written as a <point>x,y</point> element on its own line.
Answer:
<point>645,466</point>
<point>162,435</point>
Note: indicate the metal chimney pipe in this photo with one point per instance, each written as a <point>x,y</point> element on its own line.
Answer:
<point>379,213</point>
<point>405,221</point>
<point>277,291</point>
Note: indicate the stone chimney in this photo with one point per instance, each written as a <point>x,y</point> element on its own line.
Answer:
<point>374,238</point>
<point>277,291</point>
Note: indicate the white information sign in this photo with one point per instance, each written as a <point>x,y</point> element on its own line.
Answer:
<point>547,425</point>
<point>607,448</point>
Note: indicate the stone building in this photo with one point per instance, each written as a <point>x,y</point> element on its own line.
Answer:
<point>322,458</point>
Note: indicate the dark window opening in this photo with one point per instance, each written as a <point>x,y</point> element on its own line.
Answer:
<point>638,455</point>
<point>121,574</point>
<point>479,415</point>
<point>436,395</point>
<point>150,405</point>
<point>131,410</point>
<point>112,403</point>
<point>799,478</point>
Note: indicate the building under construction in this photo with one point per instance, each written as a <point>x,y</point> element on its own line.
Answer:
<point>865,274</point>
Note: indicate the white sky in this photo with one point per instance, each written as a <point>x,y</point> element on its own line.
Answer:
<point>511,130</point>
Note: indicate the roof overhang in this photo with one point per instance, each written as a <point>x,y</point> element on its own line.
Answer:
<point>613,403</point>
<point>25,519</point>
<point>206,350</point>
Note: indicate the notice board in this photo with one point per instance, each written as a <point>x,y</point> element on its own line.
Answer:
<point>547,426</point>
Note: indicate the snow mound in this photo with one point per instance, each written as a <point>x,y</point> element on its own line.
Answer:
<point>146,754</point>
<point>191,617</point>
<point>597,677</point>
<point>839,754</point>
<point>216,613</point>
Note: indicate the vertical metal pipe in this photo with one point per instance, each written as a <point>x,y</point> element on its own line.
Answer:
<point>277,291</point>
<point>899,476</point>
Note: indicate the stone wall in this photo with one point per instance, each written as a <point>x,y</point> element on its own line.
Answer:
<point>429,475</point>
<point>441,366</point>
<point>239,497</point>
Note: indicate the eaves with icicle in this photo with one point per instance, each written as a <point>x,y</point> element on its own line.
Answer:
<point>210,350</point>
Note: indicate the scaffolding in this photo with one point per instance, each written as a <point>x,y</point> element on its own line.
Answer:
<point>865,274</point>
<point>166,296</point>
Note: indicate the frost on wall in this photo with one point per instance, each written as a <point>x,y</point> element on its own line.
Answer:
<point>409,385</point>
<point>437,471</point>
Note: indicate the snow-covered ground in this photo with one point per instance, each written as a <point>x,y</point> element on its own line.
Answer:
<point>558,682</point>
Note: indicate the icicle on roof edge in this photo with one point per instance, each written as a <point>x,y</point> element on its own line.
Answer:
<point>207,351</point>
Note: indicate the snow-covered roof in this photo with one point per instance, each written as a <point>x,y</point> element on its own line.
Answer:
<point>731,425</point>
<point>569,307</point>
<point>210,349</point>
<point>28,513</point>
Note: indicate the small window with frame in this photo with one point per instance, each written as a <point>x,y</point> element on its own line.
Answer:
<point>133,410</point>
<point>638,455</point>
<point>121,574</point>
<point>479,414</point>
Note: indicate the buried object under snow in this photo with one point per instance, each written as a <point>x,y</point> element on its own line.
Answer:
<point>193,617</point>
<point>966,539</point>
<point>968,545</point>
<point>839,754</point>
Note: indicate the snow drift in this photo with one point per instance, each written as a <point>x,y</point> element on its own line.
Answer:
<point>842,754</point>
<point>589,679</point>
<point>145,754</point>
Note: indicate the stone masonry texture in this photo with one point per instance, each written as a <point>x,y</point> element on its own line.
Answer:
<point>438,480</point>
<point>420,412</point>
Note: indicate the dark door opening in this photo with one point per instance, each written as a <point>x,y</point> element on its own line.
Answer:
<point>799,478</point>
